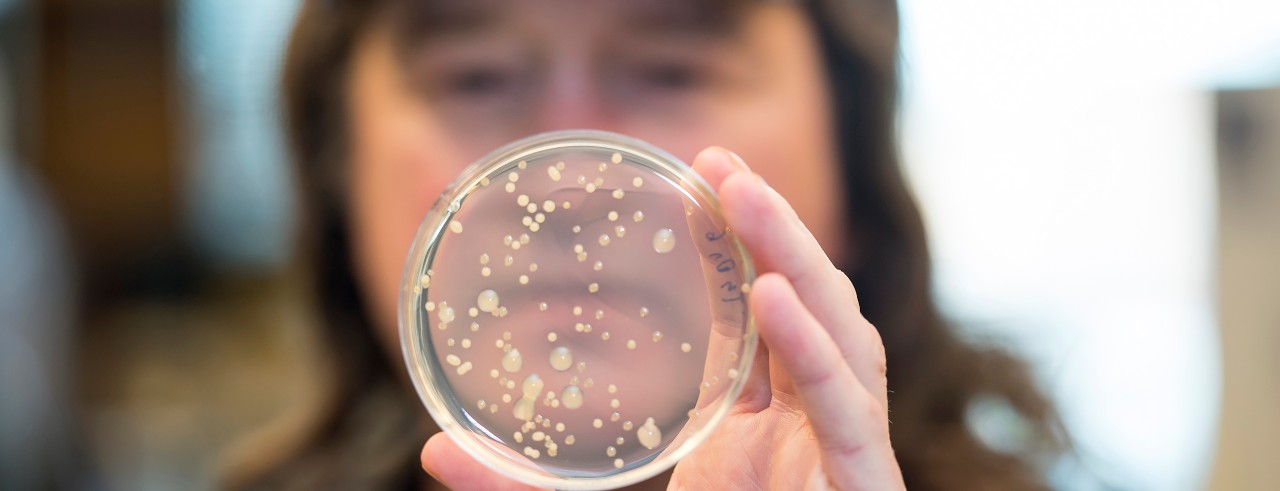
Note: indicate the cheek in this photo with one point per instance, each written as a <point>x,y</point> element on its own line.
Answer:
<point>397,174</point>
<point>787,140</point>
<point>782,126</point>
<point>801,165</point>
<point>403,155</point>
<point>787,133</point>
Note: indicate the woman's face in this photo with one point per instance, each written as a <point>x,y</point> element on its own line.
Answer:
<point>483,74</point>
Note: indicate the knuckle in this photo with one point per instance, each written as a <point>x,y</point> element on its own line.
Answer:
<point>872,410</point>
<point>875,350</point>
<point>841,449</point>
<point>880,357</point>
<point>846,282</point>
<point>816,379</point>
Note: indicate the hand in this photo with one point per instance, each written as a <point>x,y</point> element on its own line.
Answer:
<point>813,413</point>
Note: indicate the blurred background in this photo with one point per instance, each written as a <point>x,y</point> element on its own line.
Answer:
<point>1100,178</point>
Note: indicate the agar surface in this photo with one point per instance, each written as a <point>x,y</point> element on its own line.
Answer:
<point>568,397</point>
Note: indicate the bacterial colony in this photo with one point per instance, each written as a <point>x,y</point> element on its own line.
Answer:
<point>570,315</point>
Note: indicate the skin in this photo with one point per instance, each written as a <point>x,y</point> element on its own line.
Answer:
<point>814,406</point>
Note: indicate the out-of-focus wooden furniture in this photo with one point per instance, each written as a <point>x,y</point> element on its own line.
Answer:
<point>106,132</point>
<point>1249,289</point>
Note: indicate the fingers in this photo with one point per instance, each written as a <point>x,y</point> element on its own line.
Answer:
<point>715,164</point>
<point>779,242</point>
<point>851,425</point>
<point>449,464</point>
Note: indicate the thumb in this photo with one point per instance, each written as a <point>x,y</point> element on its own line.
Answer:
<point>449,464</point>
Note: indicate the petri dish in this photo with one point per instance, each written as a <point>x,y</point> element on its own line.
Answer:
<point>574,311</point>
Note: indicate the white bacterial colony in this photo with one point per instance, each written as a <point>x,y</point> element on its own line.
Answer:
<point>570,313</point>
<point>664,241</point>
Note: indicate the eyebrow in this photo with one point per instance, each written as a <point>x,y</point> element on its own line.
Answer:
<point>685,17</point>
<point>417,21</point>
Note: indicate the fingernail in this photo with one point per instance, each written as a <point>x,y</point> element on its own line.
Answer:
<point>742,164</point>
<point>737,160</point>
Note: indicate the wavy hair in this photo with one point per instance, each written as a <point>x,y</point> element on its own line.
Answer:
<point>356,437</point>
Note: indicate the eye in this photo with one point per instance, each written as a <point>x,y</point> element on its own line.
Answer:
<point>671,76</point>
<point>480,81</point>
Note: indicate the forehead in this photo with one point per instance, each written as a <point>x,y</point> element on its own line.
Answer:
<point>441,18</point>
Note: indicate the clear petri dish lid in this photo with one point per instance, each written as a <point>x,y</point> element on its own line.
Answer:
<point>574,311</point>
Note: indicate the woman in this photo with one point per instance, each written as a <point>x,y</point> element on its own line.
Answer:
<point>387,101</point>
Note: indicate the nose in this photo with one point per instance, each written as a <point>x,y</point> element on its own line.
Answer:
<point>572,98</point>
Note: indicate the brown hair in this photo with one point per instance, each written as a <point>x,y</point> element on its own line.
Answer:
<point>933,375</point>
